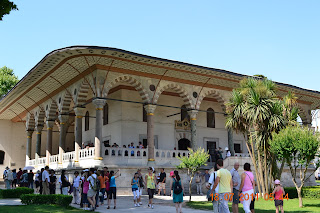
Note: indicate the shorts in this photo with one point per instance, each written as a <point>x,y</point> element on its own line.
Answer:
<point>151,193</point>
<point>135,189</point>
<point>162,186</point>
<point>278,202</point>
<point>252,204</point>
<point>235,196</point>
<point>112,191</point>
<point>91,193</point>
<point>84,198</point>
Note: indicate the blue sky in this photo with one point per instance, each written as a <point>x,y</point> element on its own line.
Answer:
<point>279,39</point>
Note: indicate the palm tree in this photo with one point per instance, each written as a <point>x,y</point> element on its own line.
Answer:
<point>255,111</point>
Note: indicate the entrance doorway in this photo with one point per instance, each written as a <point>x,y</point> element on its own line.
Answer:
<point>211,146</point>
<point>183,144</point>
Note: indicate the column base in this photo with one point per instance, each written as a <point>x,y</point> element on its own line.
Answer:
<point>151,162</point>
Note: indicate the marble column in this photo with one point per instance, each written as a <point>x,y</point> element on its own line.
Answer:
<point>63,132</point>
<point>29,145</point>
<point>230,141</point>
<point>150,131</point>
<point>50,125</point>
<point>78,133</point>
<point>38,144</point>
<point>193,125</point>
<point>99,104</point>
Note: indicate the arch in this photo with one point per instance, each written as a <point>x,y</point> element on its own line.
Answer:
<point>133,82</point>
<point>64,102</point>
<point>86,121</point>
<point>81,93</point>
<point>39,117</point>
<point>211,118</point>
<point>30,124</point>
<point>306,119</point>
<point>51,111</point>
<point>177,88</point>
<point>215,94</point>
<point>183,144</point>
<point>184,134</point>
<point>106,114</point>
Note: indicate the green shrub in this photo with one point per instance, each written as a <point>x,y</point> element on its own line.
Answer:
<point>306,192</point>
<point>58,199</point>
<point>15,193</point>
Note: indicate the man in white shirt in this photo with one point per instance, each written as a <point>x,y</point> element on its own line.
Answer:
<point>215,202</point>
<point>76,188</point>
<point>45,181</point>
<point>8,177</point>
<point>91,193</point>
<point>236,185</point>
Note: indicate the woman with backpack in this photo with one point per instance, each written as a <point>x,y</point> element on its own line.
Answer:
<point>64,183</point>
<point>177,191</point>
<point>151,185</point>
<point>113,189</point>
<point>91,195</point>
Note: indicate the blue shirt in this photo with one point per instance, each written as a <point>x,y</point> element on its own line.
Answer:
<point>135,183</point>
<point>113,182</point>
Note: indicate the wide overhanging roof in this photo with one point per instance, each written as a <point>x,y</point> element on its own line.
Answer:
<point>63,67</point>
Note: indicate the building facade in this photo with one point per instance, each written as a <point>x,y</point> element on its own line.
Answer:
<point>78,102</point>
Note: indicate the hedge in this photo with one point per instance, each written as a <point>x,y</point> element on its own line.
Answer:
<point>58,199</point>
<point>15,193</point>
<point>306,192</point>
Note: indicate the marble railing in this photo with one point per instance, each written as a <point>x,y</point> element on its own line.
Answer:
<point>86,153</point>
<point>32,162</point>
<point>170,154</point>
<point>42,161</point>
<point>126,152</point>
<point>54,159</point>
<point>68,156</point>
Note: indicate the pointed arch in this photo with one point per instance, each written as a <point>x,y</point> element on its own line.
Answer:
<point>30,123</point>
<point>51,111</point>
<point>39,117</point>
<point>133,82</point>
<point>178,89</point>
<point>81,93</point>
<point>215,94</point>
<point>64,102</point>
<point>306,119</point>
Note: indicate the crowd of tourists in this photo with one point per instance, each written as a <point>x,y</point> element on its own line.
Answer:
<point>91,187</point>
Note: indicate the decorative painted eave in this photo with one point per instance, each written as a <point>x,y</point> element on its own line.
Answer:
<point>62,67</point>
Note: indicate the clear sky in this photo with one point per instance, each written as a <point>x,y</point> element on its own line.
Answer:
<point>279,39</point>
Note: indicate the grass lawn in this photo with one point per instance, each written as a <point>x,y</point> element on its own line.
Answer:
<point>263,206</point>
<point>39,208</point>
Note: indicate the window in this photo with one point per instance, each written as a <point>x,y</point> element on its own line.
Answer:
<point>1,157</point>
<point>144,114</point>
<point>86,121</point>
<point>211,120</point>
<point>105,114</point>
<point>237,147</point>
<point>184,113</point>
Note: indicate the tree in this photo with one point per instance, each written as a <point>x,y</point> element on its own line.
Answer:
<point>5,7</point>
<point>7,80</point>
<point>193,162</point>
<point>298,146</point>
<point>255,111</point>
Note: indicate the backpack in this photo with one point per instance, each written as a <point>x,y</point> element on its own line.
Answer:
<point>198,179</point>
<point>96,184</point>
<point>177,189</point>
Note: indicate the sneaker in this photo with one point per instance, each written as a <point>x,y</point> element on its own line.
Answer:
<point>138,205</point>
<point>152,206</point>
<point>148,205</point>
<point>135,205</point>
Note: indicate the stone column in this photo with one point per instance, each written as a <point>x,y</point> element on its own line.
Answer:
<point>29,145</point>
<point>193,125</point>
<point>63,132</point>
<point>230,141</point>
<point>50,125</point>
<point>150,132</point>
<point>99,103</point>
<point>78,133</point>
<point>38,144</point>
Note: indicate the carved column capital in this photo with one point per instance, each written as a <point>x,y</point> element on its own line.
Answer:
<point>79,111</point>
<point>193,114</point>
<point>99,103</point>
<point>150,108</point>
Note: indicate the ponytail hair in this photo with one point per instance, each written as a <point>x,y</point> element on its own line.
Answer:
<point>176,173</point>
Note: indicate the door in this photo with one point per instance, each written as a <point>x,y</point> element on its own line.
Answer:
<point>183,144</point>
<point>211,147</point>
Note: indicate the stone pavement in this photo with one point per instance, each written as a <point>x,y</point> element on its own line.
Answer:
<point>162,204</point>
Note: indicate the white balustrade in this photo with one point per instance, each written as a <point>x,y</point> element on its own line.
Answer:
<point>54,159</point>
<point>170,154</point>
<point>68,156</point>
<point>126,152</point>
<point>87,153</point>
<point>42,161</point>
<point>32,162</point>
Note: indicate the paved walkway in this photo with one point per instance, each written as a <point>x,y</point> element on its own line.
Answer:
<point>162,204</point>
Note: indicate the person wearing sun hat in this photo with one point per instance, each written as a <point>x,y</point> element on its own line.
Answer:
<point>278,195</point>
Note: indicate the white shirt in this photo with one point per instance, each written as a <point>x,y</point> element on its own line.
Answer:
<point>212,178</point>
<point>76,181</point>
<point>45,175</point>
<point>91,180</point>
